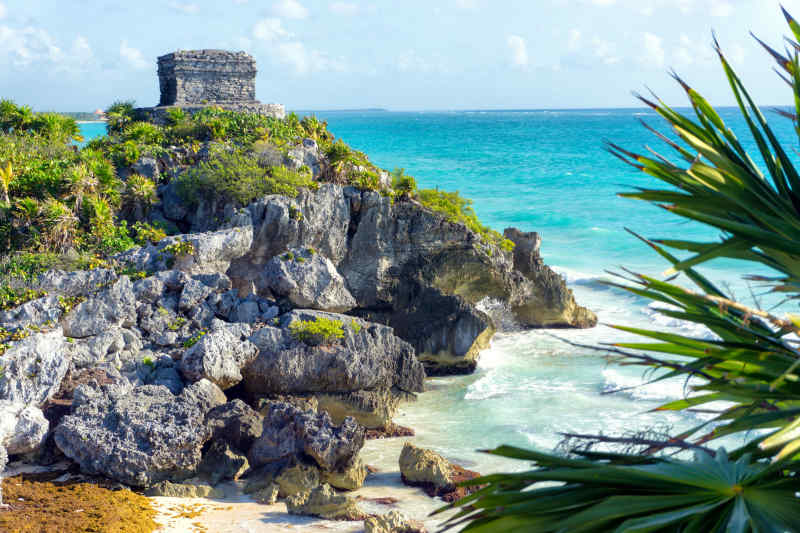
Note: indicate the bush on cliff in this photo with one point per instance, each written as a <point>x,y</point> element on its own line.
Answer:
<point>234,175</point>
<point>321,330</point>
<point>751,364</point>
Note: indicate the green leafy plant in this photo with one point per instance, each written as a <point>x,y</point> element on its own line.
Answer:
<point>318,331</point>
<point>11,297</point>
<point>148,233</point>
<point>68,303</point>
<point>177,324</point>
<point>148,361</point>
<point>194,339</point>
<point>179,249</point>
<point>356,326</point>
<point>751,364</point>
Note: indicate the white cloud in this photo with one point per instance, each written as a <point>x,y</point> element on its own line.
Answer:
<point>344,8</point>
<point>720,8</point>
<point>3,10</point>
<point>653,51</point>
<point>467,4</point>
<point>604,2</point>
<point>133,56</point>
<point>683,54</point>
<point>290,9</point>
<point>270,29</point>
<point>189,9</point>
<point>519,51</point>
<point>304,61</point>
<point>25,46</point>
<point>574,41</point>
<point>604,51</point>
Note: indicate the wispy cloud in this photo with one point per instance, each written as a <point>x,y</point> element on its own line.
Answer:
<point>519,51</point>
<point>3,10</point>
<point>290,9</point>
<point>652,50</point>
<point>189,9</point>
<point>270,29</point>
<point>132,56</point>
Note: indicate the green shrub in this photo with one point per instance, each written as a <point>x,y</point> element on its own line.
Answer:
<point>119,115</point>
<point>194,339</point>
<point>402,183</point>
<point>143,133</point>
<point>145,233</point>
<point>356,327</point>
<point>179,249</point>
<point>319,331</point>
<point>235,176</point>
<point>10,297</point>
<point>117,239</point>
<point>68,303</point>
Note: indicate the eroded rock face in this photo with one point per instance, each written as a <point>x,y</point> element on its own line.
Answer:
<point>23,428</point>
<point>349,478</point>
<point>392,522</point>
<point>372,409</point>
<point>369,356</point>
<point>114,306</point>
<point>418,465</point>
<point>324,503</point>
<point>308,280</point>
<point>33,368</point>
<point>235,423</point>
<point>142,437</point>
<point>290,433</point>
<point>219,356</point>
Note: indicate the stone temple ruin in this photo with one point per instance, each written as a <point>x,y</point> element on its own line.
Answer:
<point>194,79</point>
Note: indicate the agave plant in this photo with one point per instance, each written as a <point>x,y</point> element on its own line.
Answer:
<point>752,363</point>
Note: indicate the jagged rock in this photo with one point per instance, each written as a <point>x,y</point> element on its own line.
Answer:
<point>33,368</point>
<point>372,409</point>
<point>168,489</point>
<point>219,356</point>
<point>392,522</point>
<point>220,462</point>
<point>350,478</point>
<point>23,428</point>
<point>38,312</point>
<point>266,496</point>
<point>324,503</point>
<point>194,292</point>
<point>172,205</point>
<point>247,311</point>
<point>147,167</point>
<point>307,279</point>
<point>235,423</point>
<point>75,283</point>
<point>399,258</point>
<point>435,474</point>
<point>213,252</point>
<point>418,465</point>
<point>306,154</point>
<point>289,432</point>
<point>369,356</point>
<point>297,479</point>
<point>142,437</point>
<point>114,306</point>
<point>116,346</point>
<point>262,477</point>
<point>526,250</point>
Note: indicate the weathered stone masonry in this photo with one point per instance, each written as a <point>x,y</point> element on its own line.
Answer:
<point>194,79</point>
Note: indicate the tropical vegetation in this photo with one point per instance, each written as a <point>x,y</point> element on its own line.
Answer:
<point>746,378</point>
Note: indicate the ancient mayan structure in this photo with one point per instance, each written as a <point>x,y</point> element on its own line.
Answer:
<point>194,79</point>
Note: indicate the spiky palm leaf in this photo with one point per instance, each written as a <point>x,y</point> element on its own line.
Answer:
<point>752,363</point>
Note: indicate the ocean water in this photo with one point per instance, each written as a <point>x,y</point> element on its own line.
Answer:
<point>544,171</point>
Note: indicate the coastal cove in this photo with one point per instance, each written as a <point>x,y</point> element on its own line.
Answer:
<point>543,171</point>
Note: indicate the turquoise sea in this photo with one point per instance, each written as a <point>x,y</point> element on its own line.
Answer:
<point>544,171</point>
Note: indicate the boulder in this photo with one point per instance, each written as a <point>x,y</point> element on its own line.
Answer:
<point>219,356</point>
<point>212,252</point>
<point>23,428</point>
<point>308,280</point>
<point>220,462</point>
<point>421,466</point>
<point>349,478</point>
<point>324,503</point>
<point>297,479</point>
<point>307,154</point>
<point>289,432</point>
<point>116,346</point>
<point>267,496</point>
<point>369,356</point>
<point>392,522</point>
<point>372,409</point>
<point>167,489</point>
<point>236,424</point>
<point>38,313</point>
<point>114,306</point>
<point>75,283</point>
<point>33,368</point>
<point>172,205</point>
<point>148,167</point>
<point>143,437</point>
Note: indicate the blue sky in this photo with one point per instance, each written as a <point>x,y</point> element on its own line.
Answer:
<point>410,54</point>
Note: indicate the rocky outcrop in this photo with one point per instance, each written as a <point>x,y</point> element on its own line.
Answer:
<point>23,428</point>
<point>143,437</point>
<point>369,356</point>
<point>292,434</point>
<point>297,479</point>
<point>324,503</point>
<point>219,355</point>
<point>167,489</point>
<point>372,409</point>
<point>307,280</point>
<point>392,522</point>
<point>435,474</point>
<point>349,478</point>
<point>236,424</point>
<point>33,367</point>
